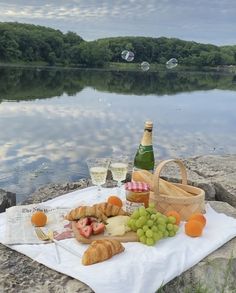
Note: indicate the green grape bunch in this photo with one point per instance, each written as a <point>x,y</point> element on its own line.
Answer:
<point>151,226</point>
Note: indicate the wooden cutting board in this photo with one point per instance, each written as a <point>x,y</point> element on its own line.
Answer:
<point>127,237</point>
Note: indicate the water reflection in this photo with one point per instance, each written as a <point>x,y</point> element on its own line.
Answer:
<point>47,140</point>
<point>29,84</point>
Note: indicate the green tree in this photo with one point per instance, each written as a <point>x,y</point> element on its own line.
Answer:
<point>8,47</point>
<point>52,58</point>
<point>94,54</point>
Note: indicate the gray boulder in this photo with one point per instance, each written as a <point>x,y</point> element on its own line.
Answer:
<point>7,199</point>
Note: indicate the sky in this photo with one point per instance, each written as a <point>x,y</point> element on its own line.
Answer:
<point>195,20</point>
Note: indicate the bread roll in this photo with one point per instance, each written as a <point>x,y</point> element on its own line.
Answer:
<point>110,210</point>
<point>85,211</point>
<point>100,250</point>
<point>101,211</point>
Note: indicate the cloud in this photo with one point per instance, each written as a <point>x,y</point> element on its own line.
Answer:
<point>77,10</point>
<point>198,20</point>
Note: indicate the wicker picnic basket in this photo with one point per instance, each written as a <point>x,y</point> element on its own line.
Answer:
<point>184,205</point>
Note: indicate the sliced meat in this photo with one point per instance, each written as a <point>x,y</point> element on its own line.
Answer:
<point>63,235</point>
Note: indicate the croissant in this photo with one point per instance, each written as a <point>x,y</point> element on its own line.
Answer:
<point>100,250</point>
<point>110,210</point>
<point>85,211</point>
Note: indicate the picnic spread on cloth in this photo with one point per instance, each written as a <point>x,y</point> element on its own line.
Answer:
<point>140,268</point>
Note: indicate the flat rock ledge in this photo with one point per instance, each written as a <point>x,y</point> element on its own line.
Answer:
<point>215,273</point>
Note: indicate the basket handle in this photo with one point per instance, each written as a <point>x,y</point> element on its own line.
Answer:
<point>159,169</point>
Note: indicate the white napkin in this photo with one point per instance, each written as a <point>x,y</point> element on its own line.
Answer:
<point>139,268</point>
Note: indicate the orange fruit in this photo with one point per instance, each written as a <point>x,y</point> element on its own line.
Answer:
<point>115,200</point>
<point>39,219</point>
<point>174,214</point>
<point>198,217</point>
<point>194,228</point>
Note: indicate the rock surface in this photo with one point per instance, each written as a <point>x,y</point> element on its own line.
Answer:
<point>7,199</point>
<point>216,272</point>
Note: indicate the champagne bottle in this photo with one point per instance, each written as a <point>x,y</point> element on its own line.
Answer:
<point>144,158</point>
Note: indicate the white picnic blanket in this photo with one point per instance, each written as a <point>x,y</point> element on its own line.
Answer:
<point>139,268</point>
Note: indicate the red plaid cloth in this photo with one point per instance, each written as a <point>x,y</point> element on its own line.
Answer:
<point>137,186</point>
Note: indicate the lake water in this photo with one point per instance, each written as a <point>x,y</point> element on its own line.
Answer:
<point>52,120</point>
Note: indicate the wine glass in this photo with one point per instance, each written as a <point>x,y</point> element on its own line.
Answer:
<point>119,169</point>
<point>98,168</point>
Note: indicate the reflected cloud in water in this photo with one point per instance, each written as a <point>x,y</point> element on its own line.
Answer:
<point>48,140</point>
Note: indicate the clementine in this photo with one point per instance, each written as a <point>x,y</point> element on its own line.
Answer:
<point>115,200</point>
<point>174,214</point>
<point>39,219</point>
<point>194,228</point>
<point>198,217</point>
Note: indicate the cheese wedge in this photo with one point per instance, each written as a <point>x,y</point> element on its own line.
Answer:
<point>117,226</point>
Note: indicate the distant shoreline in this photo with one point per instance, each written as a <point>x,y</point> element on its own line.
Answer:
<point>123,67</point>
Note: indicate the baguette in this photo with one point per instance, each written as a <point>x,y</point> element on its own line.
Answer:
<point>100,250</point>
<point>170,189</point>
<point>165,187</point>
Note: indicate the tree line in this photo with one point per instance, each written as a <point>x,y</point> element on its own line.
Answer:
<point>29,43</point>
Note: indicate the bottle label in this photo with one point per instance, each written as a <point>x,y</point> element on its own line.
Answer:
<point>132,206</point>
<point>145,149</point>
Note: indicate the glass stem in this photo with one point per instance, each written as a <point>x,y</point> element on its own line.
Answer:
<point>119,187</point>
<point>99,191</point>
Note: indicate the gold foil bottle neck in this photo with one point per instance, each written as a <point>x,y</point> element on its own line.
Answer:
<point>149,124</point>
